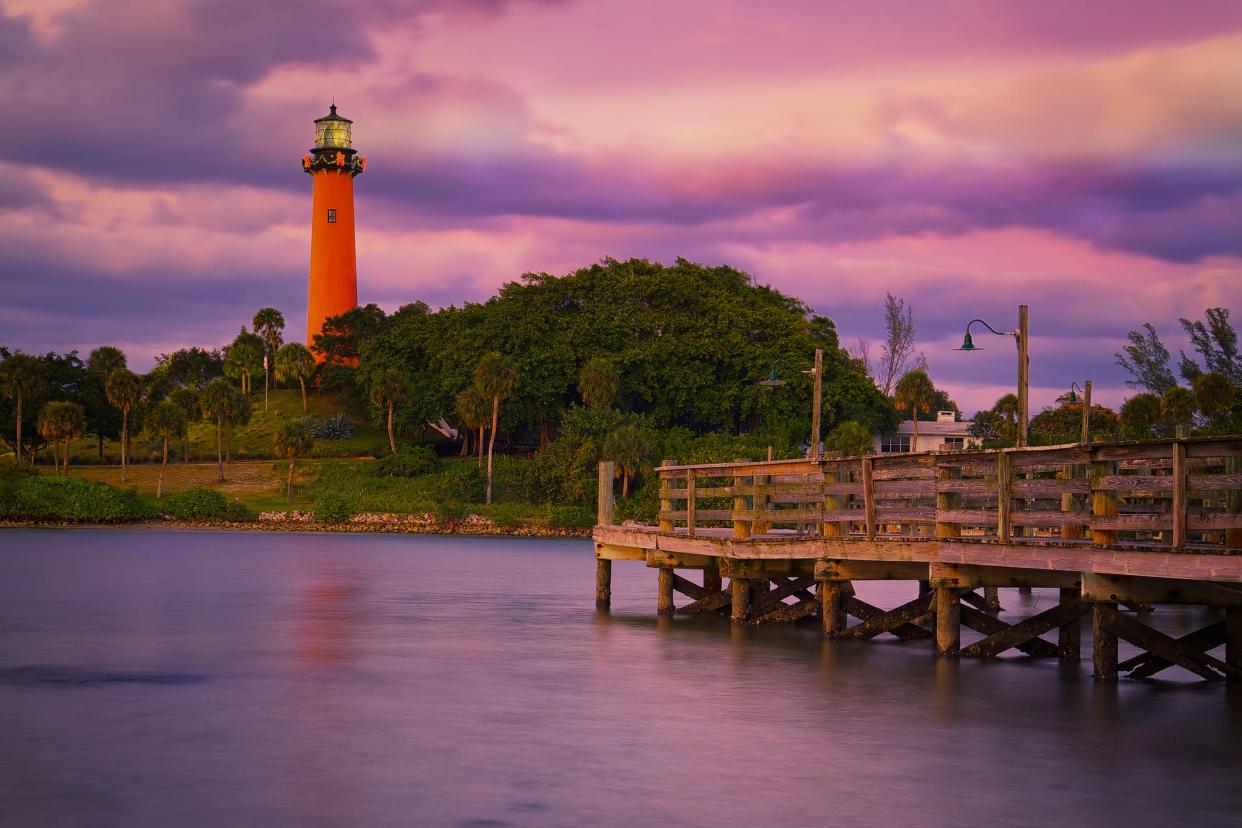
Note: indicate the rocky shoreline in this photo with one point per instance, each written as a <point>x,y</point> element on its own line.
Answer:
<point>476,525</point>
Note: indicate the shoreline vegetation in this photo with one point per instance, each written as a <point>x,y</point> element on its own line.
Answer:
<point>472,525</point>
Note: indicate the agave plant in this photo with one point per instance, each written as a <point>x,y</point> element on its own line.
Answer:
<point>335,427</point>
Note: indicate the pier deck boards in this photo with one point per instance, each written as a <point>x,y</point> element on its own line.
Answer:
<point>1106,524</point>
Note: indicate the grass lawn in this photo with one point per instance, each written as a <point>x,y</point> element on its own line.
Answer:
<point>250,441</point>
<point>258,484</point>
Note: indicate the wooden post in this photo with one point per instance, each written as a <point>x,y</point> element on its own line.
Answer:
<point>1069,636</point>
<point>1233,503</point>
<point>664,597</point>
<point>948,620</point>
<point>947,501</point>
<point>666,502</point>
<point>1179,495</point>
<point>607,470</point>
<point>1104,641</point>
<point>1103,501</point>
<point>832,607</point>
<point>1024,368</point>
<point>991,600</point>
<point>603,584</point>
<point>690,505</point>
<point>1086,412</point>
<point>868,474</point>
<point>1003,501</point>
<point>711,579</point>
<point>816,403</point>
<point>741,528</point>
<point>1233,640</point>
<point>740,589</point>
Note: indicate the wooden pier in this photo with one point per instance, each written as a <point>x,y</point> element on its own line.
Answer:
<point>1112,527</point>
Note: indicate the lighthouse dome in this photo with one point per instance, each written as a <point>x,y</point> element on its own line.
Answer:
<point>333,131</point>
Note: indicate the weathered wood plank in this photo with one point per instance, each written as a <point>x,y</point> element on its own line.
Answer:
<point>967,517</point>
<point>1048,517</point>
<point>1027,629</point>
<point>1146,665</point>
<point>1049,487</point>
<point>967,487</point>
<point>1168,648</point>
<point>866,612</point>
<point>1025,458</point>
<point>892,514</point>
<point>910,488</point>
<point>1133,483</point>
<point>990,625</point>
<point>889,621</point>
<point>1214,482</point>
<point>1131,523</point>
<point>1136,590</point>
<point>837,569</point>
<point>1220,520</point>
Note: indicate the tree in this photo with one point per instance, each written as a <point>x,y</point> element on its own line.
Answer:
<point>598,382</point>
<point>1217,344</point>
<point>1215,396</point>
<point>124,391</point>
<point>20,377</point>
<point>292,440</point>
<point>191,367</point>
<point>342,336</point>
<point>295,361</point>
<point>915,392</point>
<point>104,361</point>
<point>1063,424</point>
<point>239,412</point>
<point>1008,409</point>
<point>850,438</point>
<point>187,399</point>
<point>269,324</point>
<point>628,447</point>
<point>1139,416</point>
<point>166,421</point>
<point>243,359</point>
<point>494,379</point>
<point>1177,408</point>
<point>474,410</point>
<point>217,402</point>
<point>897,355</point>
<point>1147,361</point>
<point>388,387</point>
<point>62,421</point>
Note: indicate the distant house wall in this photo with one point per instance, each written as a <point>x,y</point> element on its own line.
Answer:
<point>945,433</point>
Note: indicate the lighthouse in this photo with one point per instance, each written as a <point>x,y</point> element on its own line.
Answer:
<point>332,163</point>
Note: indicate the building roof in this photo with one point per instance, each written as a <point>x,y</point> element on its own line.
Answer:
<point>932,427</point>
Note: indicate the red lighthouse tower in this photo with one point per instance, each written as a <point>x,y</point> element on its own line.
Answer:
<point>332,163</point>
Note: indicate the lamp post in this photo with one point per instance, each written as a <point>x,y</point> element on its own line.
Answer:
<point>1021,337</point>
<point>773,381</point>
<point>1072,398</point>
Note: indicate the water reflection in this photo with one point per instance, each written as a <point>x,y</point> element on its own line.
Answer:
<point>396,681</point>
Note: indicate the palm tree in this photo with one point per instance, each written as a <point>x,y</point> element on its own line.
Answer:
<point>20,377</point>
<point>389,387</point>
<point>916,392</point>
<point>217,402</point>
<point>244,358</point>
<point>628,448</point>
<point>103,362</point>
<point>1008,408</point>
<point>494,378</point>
<point>187,400</point>
<point>1139,416</point>
<point>124,391</point>
<point>296,361</point>
<point>474,409</point>
<point>238,413</point>
<point>167,422</point>
<point>1177,406</point>
<point>598,382</point>
<point>61,421</point>
<point>269,324</point>
<point>292,440</point>
<point>1215,395</point>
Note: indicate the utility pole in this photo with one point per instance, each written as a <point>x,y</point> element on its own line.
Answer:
<point>1024,368</point>
<point>816,403</point>
<point>1086,412</point>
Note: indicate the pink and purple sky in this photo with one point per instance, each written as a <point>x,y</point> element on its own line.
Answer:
<point>968,155</point>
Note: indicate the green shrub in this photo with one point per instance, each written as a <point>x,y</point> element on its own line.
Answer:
<point>196,503</point>
<point>239,512</point>
<point>11,470</point>
<point>461,481</point>
<point>409,461</point>
<point>333,507</point>
<point>507,515</point>
<point>72,499</point>
<point>571,517</point>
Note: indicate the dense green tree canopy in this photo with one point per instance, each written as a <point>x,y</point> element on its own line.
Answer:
<point>689,343</point>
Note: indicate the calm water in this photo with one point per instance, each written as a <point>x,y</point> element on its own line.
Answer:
<point>195,678</point>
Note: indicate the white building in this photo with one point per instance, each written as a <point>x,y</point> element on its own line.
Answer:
<point>945,433</point>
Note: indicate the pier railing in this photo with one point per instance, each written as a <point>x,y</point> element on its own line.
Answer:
<point>1168,493</point>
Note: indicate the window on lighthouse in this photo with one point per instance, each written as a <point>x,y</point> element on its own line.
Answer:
<point>331,216</point>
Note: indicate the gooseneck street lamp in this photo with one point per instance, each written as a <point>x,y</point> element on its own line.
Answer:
<point>1021,337</point>
<point>774,381</point>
